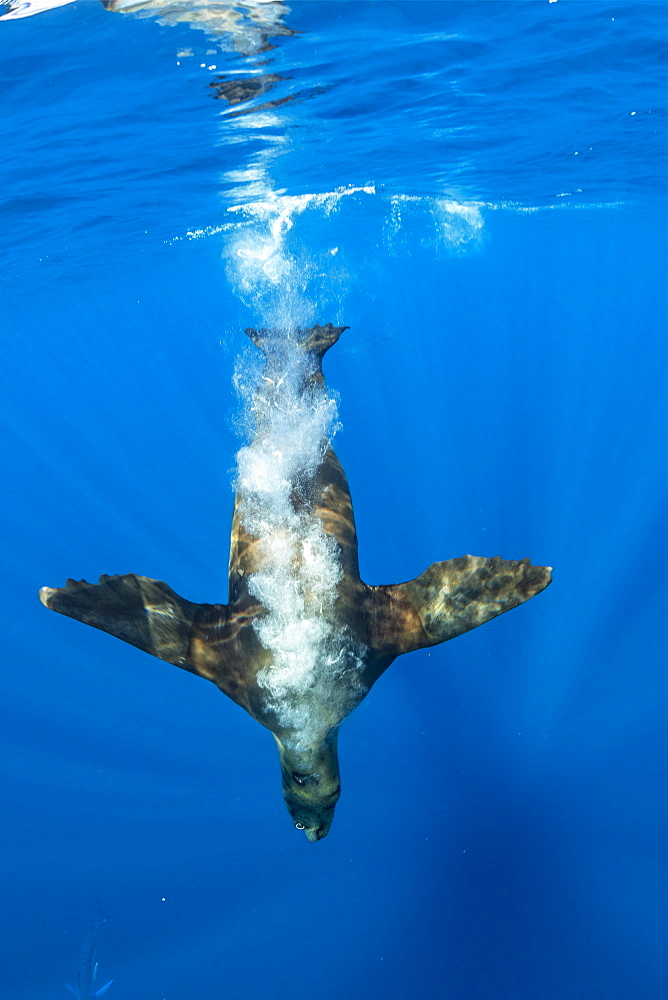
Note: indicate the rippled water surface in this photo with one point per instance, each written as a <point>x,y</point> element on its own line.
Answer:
<point>478,190</point>
<point>118,130</point>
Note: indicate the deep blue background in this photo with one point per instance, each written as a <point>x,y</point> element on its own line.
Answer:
<point>500,833</point>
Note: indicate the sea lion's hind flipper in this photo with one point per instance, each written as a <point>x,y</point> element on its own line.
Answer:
<point>450,598</point>
<point>317,340</point>
<point>146,613</point>
<point>314,340</point>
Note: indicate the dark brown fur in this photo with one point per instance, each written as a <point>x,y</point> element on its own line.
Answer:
<point>219,642</point>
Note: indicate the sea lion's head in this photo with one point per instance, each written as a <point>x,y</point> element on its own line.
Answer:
<point>311,783</point>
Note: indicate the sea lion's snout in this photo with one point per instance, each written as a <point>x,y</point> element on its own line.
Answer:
<point>312,835</point>
<point>313,819</point>
<point>318,832</point>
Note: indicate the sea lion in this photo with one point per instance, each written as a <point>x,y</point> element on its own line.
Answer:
<point>302,639</point>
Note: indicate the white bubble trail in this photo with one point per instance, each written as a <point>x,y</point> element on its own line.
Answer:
<point>314,678</point>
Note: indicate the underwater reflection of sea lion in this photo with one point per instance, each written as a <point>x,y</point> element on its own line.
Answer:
<point>302,639</point>
<point>245,27</point>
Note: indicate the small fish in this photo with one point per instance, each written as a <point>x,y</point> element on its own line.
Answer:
<point>85,988</point>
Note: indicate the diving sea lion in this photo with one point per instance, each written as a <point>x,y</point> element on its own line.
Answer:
<point>302,639</point>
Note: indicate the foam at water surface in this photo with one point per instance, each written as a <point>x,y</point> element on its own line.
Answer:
<point>271,274</point>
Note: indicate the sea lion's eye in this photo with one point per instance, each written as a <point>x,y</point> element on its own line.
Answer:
<point>300,826</point>
<point>300,777</point>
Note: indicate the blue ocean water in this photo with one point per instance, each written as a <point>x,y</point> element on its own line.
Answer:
<point>479,190</point>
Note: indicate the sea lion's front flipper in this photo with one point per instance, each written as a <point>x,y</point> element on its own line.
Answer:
<point>144,612</point>
<point>450,598</point>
